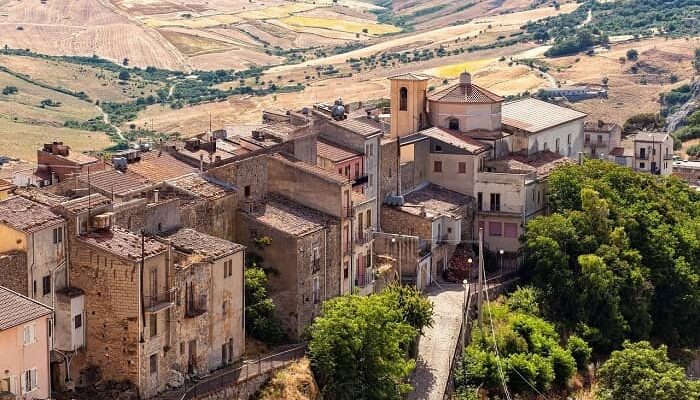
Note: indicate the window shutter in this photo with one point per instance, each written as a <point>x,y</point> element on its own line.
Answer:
<point>34,383</point>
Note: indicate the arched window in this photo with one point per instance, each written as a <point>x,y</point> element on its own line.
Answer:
<point>545,146</point>
<point>557,144</point>
<point>453,124</point>
<point>403,99</point>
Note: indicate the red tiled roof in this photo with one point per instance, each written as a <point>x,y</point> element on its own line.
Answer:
<point>532,115</point>
<point>358,126</point>
<point>113,181</point>
<point>464,93</point>
<point>17,309</point>
<point>410,76</point>
<point>160,166</point>
<point>5,185</point>
<point>288,216</point>
<point>334,152</point>
<point>457,139</point>
<point>81,204</point>
<point>26,215</point>
<point>311,169</point>
<point>199,186</point>
<point>195,242</point>
<point>122,243</point>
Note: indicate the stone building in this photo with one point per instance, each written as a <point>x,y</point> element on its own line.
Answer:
<point>208,283</point>
<point>471,142</point>
<point>424,231</point>
<point>32,241</point>
<point>650,152</point>
<point>300,247</point>
<point>58,161</point>
<point>600,138</point>
<point>127,282</point>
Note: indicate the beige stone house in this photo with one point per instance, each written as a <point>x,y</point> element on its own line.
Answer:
<point>468,140</point>
<point>600,138</point>
<point>208,283</point>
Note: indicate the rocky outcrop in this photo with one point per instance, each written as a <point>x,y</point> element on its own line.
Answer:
<point>680,117</point>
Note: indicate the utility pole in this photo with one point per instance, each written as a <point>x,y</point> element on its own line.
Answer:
<point>481,274</point>
<point>465,313</point>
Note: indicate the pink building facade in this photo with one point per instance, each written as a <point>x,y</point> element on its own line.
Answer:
<point>24,345</point>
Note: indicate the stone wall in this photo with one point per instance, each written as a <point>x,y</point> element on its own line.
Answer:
<point>216,217</point>
<point>250,172</point>
<point>388,166</point>
<point>13,272</point>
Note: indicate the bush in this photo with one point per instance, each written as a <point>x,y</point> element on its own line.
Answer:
<point>124,75</point>
<point>8,90</point>
<point>524,300</point>
<point>694,151</point>
<point>580,351</point>
<point>260,320</point>
<point>632,54</point>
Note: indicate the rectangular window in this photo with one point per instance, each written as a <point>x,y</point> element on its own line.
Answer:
<point>78,321</point>
<point>642,165</point>
<point>153,364</point>
<point>46,285</point>
<point>224,353</point>
<point>495,229</point>
<point>153,324</point>
<point>495,202</point>
<point>29,334</point>
<point>357,170</point>
<point>225,269</point>
<point>462,168</point>
<point>316,291</point>
<point>246,191</point>
<point>510,230</point>
<point>437,166</point>
<point>480,201</point>
<point>57,235</point>
<point>30,380</point>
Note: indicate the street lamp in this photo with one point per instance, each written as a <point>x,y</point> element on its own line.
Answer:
<point>500,254</point>
<point>464,307</point>
<point>469,267</point>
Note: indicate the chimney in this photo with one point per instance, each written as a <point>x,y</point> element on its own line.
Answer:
<point>156,195</point>
<point>465,78</point>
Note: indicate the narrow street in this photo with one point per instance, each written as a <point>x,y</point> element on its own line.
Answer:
<point>437,345</point>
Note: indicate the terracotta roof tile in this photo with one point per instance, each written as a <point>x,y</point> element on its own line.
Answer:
<point>122,243</point>
<point>26,215</point>
<point>281,213</point>
<point>434,200</point>
<point>80,205</point>
<point>457,139</point>
<point>310,168</point>
<point>334,152</point>
<point>17,309</point>
<point>5,185</point>
<point>160,166</point>
<point>113,181</point>
<point>464,93</point>
<point>194,242</point>
<point>361,126</point>
<point>199,186</point>
<point>410,76</point>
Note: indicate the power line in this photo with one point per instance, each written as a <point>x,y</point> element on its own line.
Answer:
<point>493,333</point>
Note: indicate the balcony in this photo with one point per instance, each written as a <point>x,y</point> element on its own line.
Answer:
<point>196,307</point>
<point>348,212</point>
<point>316,265</point>
<point>442,239</point>
<point>361,180</point>
<point>158,302</point>
<point>364,278</point>
<point>364,236</point>
<point>643,157</point>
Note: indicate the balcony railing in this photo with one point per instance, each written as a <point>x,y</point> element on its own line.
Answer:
<point>157,302</point>
<point>361,180</point>
<point>364,236</point>
<point>364,278</point>
<point>643,156</point>
<point>348,212</point>
<point>196,307</point>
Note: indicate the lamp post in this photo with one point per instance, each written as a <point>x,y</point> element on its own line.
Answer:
<point>500,261</point>
<point>465,311</point>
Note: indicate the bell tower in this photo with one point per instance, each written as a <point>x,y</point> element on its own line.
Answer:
<point>408,98</point>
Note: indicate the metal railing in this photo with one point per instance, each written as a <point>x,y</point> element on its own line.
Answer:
<point>364,236</point>
<point>243,373</point>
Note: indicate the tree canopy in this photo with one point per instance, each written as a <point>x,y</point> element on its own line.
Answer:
<point>530,354</point>
<point>359,345</point>
<point>619,257</point>
<point>640,372</point>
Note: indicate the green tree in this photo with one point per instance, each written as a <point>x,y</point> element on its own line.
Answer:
<point>358,346</point>
<point>124,75</point>
<point>8,90</point>
<point>632,54</point>
<point>640,372</point>
<point>260,320</point>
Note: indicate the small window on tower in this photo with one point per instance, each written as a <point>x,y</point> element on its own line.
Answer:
<point>403,99</point>
<point>454,124</point>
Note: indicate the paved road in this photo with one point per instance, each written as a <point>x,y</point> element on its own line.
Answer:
<point>436,347</point>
